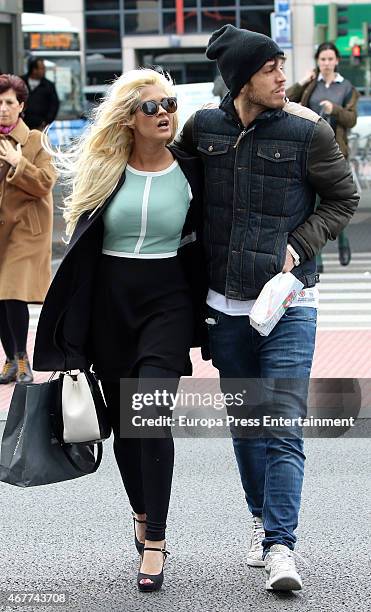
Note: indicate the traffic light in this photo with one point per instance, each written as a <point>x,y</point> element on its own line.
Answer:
<point>355,58</point>
<point>337,20</point>
<point>366,34</point>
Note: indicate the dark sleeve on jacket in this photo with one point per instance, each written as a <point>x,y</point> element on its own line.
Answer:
<point>53,104</point>
<point>346,115</point>
<point>295,92</point>
<point>330,175</point>
<point>185,140</point>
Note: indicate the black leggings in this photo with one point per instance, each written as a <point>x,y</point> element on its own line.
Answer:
<point>14,321</point>
<point>146,464</point>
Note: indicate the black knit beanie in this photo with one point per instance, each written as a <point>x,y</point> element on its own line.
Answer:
<point>239,54</point>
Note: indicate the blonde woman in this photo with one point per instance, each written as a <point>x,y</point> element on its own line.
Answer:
<point>123,298</point>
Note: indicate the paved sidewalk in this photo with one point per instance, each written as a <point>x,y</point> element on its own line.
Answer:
<point>339,354</point>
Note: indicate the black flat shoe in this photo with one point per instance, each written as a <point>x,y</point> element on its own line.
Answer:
<point>156,580</point>
<point>345,255</point>
<point>139,545</point>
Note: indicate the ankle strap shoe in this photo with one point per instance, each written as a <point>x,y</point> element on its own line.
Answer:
<point>152,582</point>
<point>139,545</point>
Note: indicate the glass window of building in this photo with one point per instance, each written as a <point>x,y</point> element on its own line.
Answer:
<point>33,6</point>
<point>143,5</point>
<point>257,21</point>
<point>169,22</point>
<point>109,21</point>
<point>103,67</point>
<point>190,22</point>
<point>260,3</point>
<point>186,3</point>
<point>213,20</point>
<point>103,31</point>
<point>98,5</point>
<point>216,4</point>
<point>143,22</point>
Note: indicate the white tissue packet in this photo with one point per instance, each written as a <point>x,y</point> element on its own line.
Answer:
<point>273,300</point>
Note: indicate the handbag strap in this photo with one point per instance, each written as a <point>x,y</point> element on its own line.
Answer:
<point>77,466</point>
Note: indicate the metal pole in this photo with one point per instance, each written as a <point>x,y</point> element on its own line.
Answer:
<point>368,76</point>
<point>179,17</point>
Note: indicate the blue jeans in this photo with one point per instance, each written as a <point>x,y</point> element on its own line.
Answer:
<point>271,469</point>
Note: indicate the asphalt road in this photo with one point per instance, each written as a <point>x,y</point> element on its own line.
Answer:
<point>77,536</point>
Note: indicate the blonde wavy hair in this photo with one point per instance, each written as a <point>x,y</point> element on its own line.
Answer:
<point>93,165</point>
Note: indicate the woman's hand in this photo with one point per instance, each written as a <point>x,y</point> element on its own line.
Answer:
<point>327,106</point>
<point>311,74</point>
<point>9,154</point>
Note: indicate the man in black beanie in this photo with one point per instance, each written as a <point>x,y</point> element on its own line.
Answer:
<point>264,161</point>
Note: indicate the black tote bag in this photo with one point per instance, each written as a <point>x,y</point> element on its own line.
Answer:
<point>31,455</point>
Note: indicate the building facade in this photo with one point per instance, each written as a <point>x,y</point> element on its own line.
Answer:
<point>11,41</point>
<point>123,34</point>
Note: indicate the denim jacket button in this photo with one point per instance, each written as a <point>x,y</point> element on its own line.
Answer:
<point>277,155</point>
<point>210,148</point>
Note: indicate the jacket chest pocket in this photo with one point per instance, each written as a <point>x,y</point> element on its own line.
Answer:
<point>215,154</point>
<point>276,161</point>
<point>218,169</point>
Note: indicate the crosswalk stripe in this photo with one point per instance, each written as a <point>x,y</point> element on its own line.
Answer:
<point>344,286</point>
<point>333,318</point>
<point>331,297</point>
<point>360,255</point>
<point>348,276</point>
<point>357,262</point>
<point>346,306</point>
<point>345,293</point>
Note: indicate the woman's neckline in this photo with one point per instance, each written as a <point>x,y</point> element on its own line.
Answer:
<point>133,170</point>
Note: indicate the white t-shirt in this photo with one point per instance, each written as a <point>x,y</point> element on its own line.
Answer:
<point>33,83</point>
<point>308,297</point>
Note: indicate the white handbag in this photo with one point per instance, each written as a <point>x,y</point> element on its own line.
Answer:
<point>84,412</point>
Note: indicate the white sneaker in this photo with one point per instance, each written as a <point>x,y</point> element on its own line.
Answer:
<point>255,554</point>
<point>281,570</point>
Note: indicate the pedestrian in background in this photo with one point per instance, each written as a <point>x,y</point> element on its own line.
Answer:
<point>26,218</point>
<point>43,103</point>
<point>264,161</point>
<point>334,98</point>
<point>121,300</point>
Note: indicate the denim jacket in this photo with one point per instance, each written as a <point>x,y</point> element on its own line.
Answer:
<point>260,185</point>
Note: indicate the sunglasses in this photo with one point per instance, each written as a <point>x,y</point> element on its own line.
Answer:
<point>150,107</point>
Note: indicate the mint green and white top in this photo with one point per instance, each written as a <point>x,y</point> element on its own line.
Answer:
<point>146,217</point>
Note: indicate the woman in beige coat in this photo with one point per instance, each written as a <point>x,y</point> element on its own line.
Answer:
<point>26,216</point>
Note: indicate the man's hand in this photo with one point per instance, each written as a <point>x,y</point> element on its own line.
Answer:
<point>327,106</point>
<point>9,154</point>
<point>289,263</point>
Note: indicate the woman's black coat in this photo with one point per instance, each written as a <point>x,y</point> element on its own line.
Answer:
<point>62,337</point>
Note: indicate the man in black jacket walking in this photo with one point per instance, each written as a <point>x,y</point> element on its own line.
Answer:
<point>43,103</point>
<point>264,161</point>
